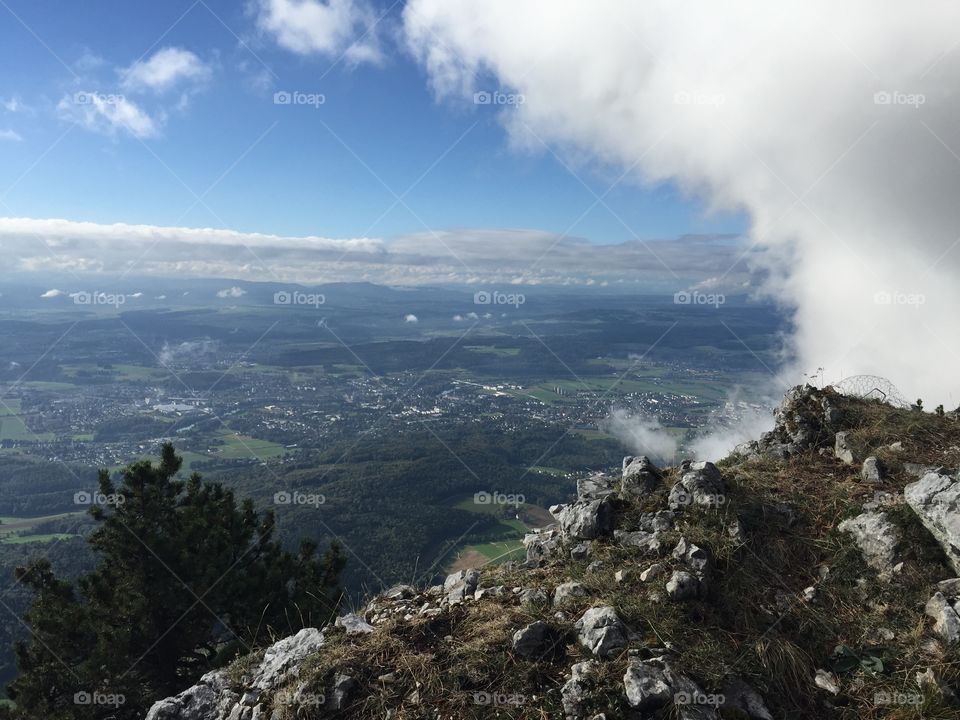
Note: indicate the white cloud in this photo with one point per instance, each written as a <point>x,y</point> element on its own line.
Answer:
<point>107,114</point>
<point>10,135</point>
<point>411,318</point>
<point>323,27</point>
<point>164,70</point>
<point>53,293</point>
<point>642,434</point>
<point>232,292</point>
<point>13,104</point>
<point>829,126</point>
<point>487,258</point>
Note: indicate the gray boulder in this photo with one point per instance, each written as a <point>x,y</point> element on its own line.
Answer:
<point>945,611</point>
<point>460,585</point>
<point>283,659</point>
<point>568,591</point>
<point>935,498</point>
<point>695,557</point>
<point>841,448</point>
<point>701,484</point>
<point>877,538</point>
<point>647,686</point>
<point>872,470</point>
<point>804,419</point>
<point>343,687</point>
<point>535,641</point>
<point>580,552</point>
<point>601,632</point>
<point>576,691</point>
<point>640,476</point>
<point>585,519</point>
<point>594,487</point>
<point>541,545</point>
<point>682,586</point>
<point>353,624</point>
<point>648,542</point>
<point>209,699</point>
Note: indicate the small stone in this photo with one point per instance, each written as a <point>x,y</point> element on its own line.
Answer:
<point>580,552</point>
<point>827,681</point>
<point>652,572</point>
<point>568,591</point>
<point>872,470</point>
<point>682,586</point>
<point>841,448</point>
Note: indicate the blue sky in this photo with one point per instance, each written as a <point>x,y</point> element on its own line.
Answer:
<point>324,170</point>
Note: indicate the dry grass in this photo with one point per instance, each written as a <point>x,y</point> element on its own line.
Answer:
<point>754,623</point>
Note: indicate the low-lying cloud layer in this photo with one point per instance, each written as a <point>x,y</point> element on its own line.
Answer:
<point>467,256</point>
<point>832,125</point>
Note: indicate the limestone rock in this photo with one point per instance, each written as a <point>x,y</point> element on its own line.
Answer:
<point>284,658</point>
<point>602,632</point>
<point>935,498</point>
<point>353,624</point>
<point>872,470</point>
<point>701,484</point>
<point>460,585</point>
<point>877,538</point>
<point>585,519</point>
<point>682,586</point>
<point>647,686</point>
<point>568,591</point>
<point>536,640</point>
<point>841,448</point>
<point>640,476</point>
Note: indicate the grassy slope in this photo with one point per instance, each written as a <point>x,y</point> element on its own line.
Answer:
<point>754,624</point>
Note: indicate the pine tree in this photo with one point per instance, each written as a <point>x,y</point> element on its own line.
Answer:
<point>186,579</point>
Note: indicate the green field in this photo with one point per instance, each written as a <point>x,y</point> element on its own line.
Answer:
<point>24,539</point>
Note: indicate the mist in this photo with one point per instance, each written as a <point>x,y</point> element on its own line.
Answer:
<point>643,434</point>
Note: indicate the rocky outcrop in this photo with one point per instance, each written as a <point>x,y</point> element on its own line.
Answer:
<point>640,476</point>
<point>878,540</point>
<point>935,498</point>
<point>806,419</point>
<point>211,698</point>
<point>944,608</point>
<point>585,519</point>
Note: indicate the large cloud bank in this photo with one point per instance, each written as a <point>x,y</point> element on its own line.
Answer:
<point>832,124</point>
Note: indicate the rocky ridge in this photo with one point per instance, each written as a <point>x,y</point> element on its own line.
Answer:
<point>810,574</point>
